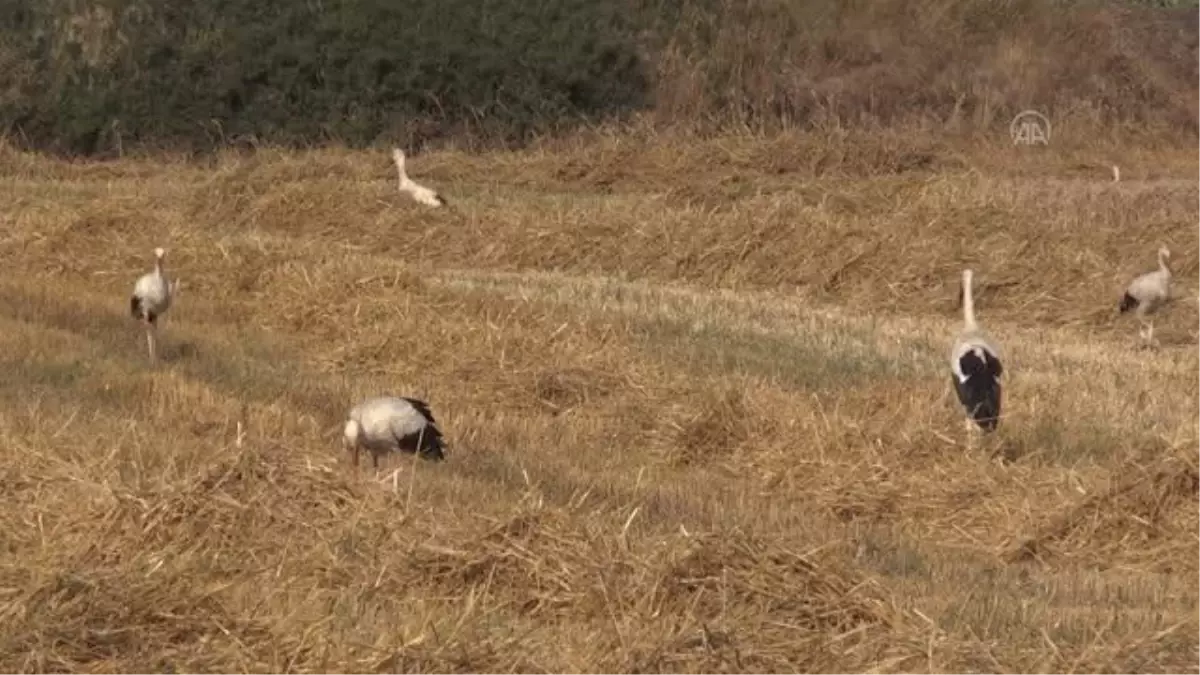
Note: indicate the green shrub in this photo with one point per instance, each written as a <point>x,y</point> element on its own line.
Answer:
<point>203,72</point>
<point>88,76</point>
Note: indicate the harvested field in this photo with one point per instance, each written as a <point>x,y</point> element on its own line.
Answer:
<point>696,396</point>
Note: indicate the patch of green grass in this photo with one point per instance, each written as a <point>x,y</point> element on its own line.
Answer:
<point>832,360</point>
<point>721,336</point>
<point>1047,440</point>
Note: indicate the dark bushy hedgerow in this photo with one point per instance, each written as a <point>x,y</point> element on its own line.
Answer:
<point>203,72</point>
<point>88,76</point>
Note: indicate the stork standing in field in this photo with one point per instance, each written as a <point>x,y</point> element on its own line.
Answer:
<point>151,299</point>
<point>1147,293</point>
<point>417,191</point>
<point>976,367</point>
<point>389,424</point>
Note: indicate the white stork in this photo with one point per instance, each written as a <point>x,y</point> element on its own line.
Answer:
<point>1147,293</point>
<point>151,299</point>
<point>389,424</point>
<point>975,364</point>
<point>417,191</point>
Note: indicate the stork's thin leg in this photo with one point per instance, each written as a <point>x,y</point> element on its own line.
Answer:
<point>972,433</point>
<point>151,346</point>
<point>354,455</point>
<point>1146,332</point>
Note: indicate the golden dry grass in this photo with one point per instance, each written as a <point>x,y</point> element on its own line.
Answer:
<point>696,396</point>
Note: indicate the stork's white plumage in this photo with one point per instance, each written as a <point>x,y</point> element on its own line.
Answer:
<point>418,192</point>
<point>975,364</point>
<point>151,299</point>
<point>1147,293</point>
<point>390,424</point>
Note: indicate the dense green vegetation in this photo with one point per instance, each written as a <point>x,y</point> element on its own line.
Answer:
<point>82,76</point>
<point>204,71</point>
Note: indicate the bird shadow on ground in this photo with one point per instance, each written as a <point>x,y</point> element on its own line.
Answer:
<point>170,350</point>
<point>1174,339</point>
<point>1008,451</point>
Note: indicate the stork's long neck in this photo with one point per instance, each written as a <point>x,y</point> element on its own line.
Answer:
<point>1162,263</point>
<point>401,174</point>
<point>158,268</point>
<point>968,303</point>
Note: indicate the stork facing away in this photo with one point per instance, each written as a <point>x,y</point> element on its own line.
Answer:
<point>976,368</point>
<point>390,424</point>
<point>151,299</point>
<point>417,191</point>
<point>1147,293</point>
